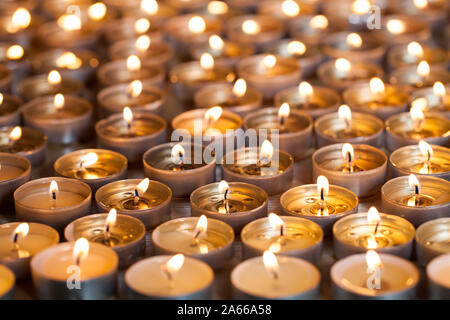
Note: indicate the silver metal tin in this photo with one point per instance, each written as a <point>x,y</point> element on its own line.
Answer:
<point>437,287</point>
<point>7,187</point>
<point>432,240</point>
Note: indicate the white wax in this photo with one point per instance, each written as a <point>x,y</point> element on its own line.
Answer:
<point>295,276</point>
<point>147,278</point>
<point>43,200</point>
<point>9,172</point>
<point>438,270</point>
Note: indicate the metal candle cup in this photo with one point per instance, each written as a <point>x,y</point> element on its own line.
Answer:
<point>182,179</point>
<point>355,234</point>
<point>269,80</point>
<point>192,281</point>
<point>297,280</point>
<point>109,166</point>
<point>10,110</point>
<point>213,246</point>
<point>61,124</point>
<point>32,144</point>
<point>33,201</point>
<point>300,238</point>
<point>153,206</point>
<point>98,273</point>
<point>399,56</point>
<point>399,279</point>
<point>439,104</point>
<point>328,161</point>
<point>305,30</point>
<point>437,274</point>
<point>8,283</point>
<point>409,76</point>
<point>432,239</point>
<point>53,36</point>
<point>400,130</point>
<point>433,201</point>
<point>363,129</point>
<point>125,28</point>
<point>125,236</point>
<point>402,29</point>
<point>17,255</point>
<point>242,166</point>
<point>229,55</point>
<point>14,171</point>
<point>246,202</point>
<point>304,201</point>
<point>146,131</point>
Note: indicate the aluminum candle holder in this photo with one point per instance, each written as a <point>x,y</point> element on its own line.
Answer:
<point>242,166</point>
<point>410,77</point>
<point>152,208</point>
<point>323,100</point>
<point>246,203</point>
<point>300,238</point>
<point>34,202</point>
<point>402,29</point>
<point>17,255</point>
<point>304,201</point>
<point>16,59</point>
<point>62,124</point>
<point>364,129</point>
<point>432,240</point>
<point>125,28</point>
<point>213,246</point>
<point>355,234</point>
<point>433,201</point>
<point>14,171</point>
<point>401,131</point>
<point>39,86</point>
<point>228,53</point>
<point>53,36</point>
<point>30,144</point>
<point>158,14</point>
<point>181,178</point>
<point>436,102</point>
<point>369,171</point>
<point>8,282</point>
<point>437,273</point>
<point>10,110</point>
<point>310,29</point>
<point>22,32</point>
<point>403,55</point>
<point>125,237</point>
<point>287,12</point>
<point>409,159</point>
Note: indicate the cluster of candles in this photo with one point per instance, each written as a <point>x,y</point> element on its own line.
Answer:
<point>366,139</point>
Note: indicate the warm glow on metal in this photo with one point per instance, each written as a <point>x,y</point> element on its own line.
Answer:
<point>354,40</point>
<point>207,61</point>
<point>416,113</point>
<point>80,250</point>
<point>296,47</point>
<point>323,185</point>
<point>97,11</point>
<point>318,22</point>
<point>395,26</point>
<point>290,8</point>
<point>197,25</point>
<point>251,27</point>
<point>14,52</point>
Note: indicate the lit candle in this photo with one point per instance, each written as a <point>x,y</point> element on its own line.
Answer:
<point>9,110</point>
<point>434,99</point>
<point>16,59</point>
<point>132,28</point>
<point>309,29</point>
<point>420,76</point>
<point>413,52</point>
<point>18,26</point>
<point>402,29</point>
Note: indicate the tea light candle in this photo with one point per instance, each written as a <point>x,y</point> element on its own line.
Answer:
<point>432,240</point>
<point>237,98</point>
<point>432,12</point>
<point>348,126</point>
<point>18,26</point>
<point>313,100</point>
<point>437,273</point>
<point>410,127</point>
<point>413,52</point>
<point>123,233</point>
<point>420,76</point>
<point>147,200</point>
<point>125,71</point>
<point>14,171</point>
<point>23,141</point>
<point>261,31</point>
<point>421,159</point>
<point>188,6</point>
<point>288,236</point>
<point>97,266</point>
<point>360,168</point>
<point>95,167</point>
<point>48,84</point>
<point>435,99</point>
<point>269,74</point>
<point>21,241</point>
<point>272,277</point>
<point>220,10</point>
<point>131,134</point>
<point>355,277</point>
<point>320,203</point>
<point>16,58</point>
<point>189,77</point>
<point>62,118</point>
<point>236,203</point>
<point>341,74</point>
<point>287,11</point>
<point>309,29</point>
<point>271,170</point>
<point>5,79</point>
<point>169,277</point>
<point>9,110</point>
<point>138,95</point>
<point>158,12</point>
<point>385,233</point>
<point>377,98</point>
<point>178,166</point>
<point>53,201</point>
<point>351,14</point>
<point>402,29</point>
<point>416,198</point>
<point>209,240</point>
<point>130,27</point>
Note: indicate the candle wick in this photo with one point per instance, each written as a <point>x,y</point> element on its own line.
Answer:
<point>168,275</point>
<point>16,237</point>
<point>136,196</point>
<point>180,154</point>
<point>227,205</point>
<point>376,228</point>
<point>281,231</point>
<point>78,260</point>
<point>416,197</point>
<point>282,120</point>
<point>349,162</point>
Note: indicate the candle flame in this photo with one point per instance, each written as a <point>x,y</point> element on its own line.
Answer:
<point>439,89</point>
<point>305,90</point>
<point>271,264</point>
<point>217,7</point>
<point>174,264</point>
<point>284,110</point>
<point>135,88</point>
<point>20,19</point>
<point>290,8</point>
<point>54,77</point>
<point>416,113</point>
<point>143,185</point>
<point>319,22</point>
<point>240,88</point>
<point>373,260</point>
<point>69,22</point>
<point>80,250</point>
<point>420,4</point>
<point>343,65</point>
<point>21,230</point>
<point>377,87</point>
<point>425,149</point>
<point>1,98</point>
<point>142,43</point>
<point>296,47</point>
<point>69,60</point>
<point>111,218</point>
<point>323,185</point>
<point>414,182</point>
<point>216,42</point>
<point>415,49</point>
<point>15,134</point>
<point>213,114</point>
<point>223,187</point>
<point>275,221</point>
<point>150,7</point>
<point>207,61</point>
<point>347,152</point>
<point>133,63</point>
<point>141,26</point>
<point>266,152</point>
<point>361,6</point>
<point>177,153</point>
<point>89,159</point>
<point>127,115</point>
<point>197,25</point>
<point>14,52</point>
<point>395,26</point>
<point>53,187</point>
<point>373,216</point>
<point>97,11</point>
<point>423,69</point>
<point>354,40</point>
<point>419,103</point>
<point>202,225</point>
<point>251,27</point>
<point>345,113</point>
<point>58,101</point>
